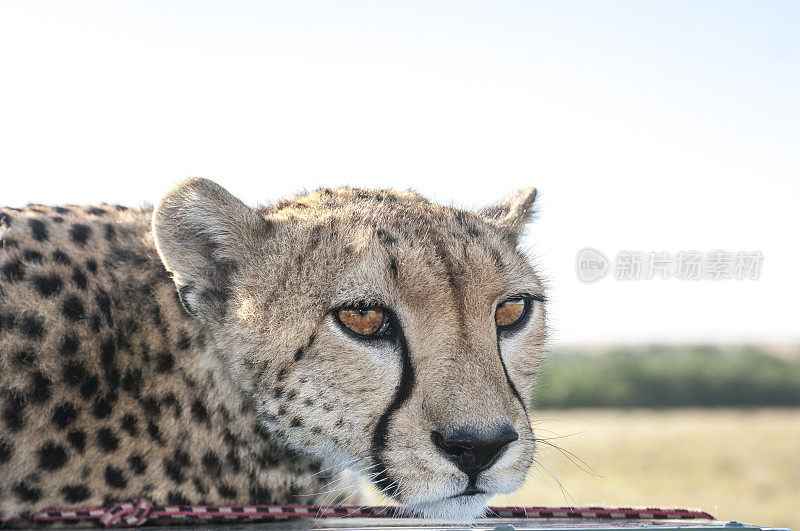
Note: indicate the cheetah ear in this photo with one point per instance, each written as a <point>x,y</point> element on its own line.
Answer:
<point>202,233</point>
<point>513,212</point>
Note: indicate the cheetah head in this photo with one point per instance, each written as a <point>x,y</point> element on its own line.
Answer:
<point>372,329</point>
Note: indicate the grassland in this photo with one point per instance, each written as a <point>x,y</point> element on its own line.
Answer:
<point>669,376</point>
<point>737,464</point>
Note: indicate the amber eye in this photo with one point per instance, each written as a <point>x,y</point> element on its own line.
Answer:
<point>364,321</point>
<point>510,312</point>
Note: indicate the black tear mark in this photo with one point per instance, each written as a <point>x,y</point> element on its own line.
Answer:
<point>508,379</point>
<point>381,433</point>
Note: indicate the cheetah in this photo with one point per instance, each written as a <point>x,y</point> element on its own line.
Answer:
<point>207,352</point>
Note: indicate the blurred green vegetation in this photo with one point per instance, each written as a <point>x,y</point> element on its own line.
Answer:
<point>668,376</point>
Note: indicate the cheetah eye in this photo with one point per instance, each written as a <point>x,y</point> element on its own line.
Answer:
<point>511,313</point>
<point>370,322</point>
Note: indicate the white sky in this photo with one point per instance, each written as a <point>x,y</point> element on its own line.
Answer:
<point>653,126</point>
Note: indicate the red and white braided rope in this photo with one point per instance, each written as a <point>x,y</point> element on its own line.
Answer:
<point>131,514</point>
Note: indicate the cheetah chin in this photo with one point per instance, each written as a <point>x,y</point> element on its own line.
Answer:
<point>209,352</point>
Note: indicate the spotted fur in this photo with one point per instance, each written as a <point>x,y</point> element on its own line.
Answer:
<point>191,354</point>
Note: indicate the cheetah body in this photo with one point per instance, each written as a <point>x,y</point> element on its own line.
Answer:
<point>105,396</point>
<point>236,387</point>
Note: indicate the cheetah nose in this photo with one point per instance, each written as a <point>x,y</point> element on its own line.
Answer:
<point>473,451</point>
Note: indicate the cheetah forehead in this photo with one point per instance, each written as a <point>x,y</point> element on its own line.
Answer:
<point>346,244</point>
<point>405,221</point>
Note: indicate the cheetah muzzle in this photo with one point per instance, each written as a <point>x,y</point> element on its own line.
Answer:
<point>210,352</point>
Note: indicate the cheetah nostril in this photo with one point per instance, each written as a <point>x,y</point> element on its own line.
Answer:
<point>472,451</point>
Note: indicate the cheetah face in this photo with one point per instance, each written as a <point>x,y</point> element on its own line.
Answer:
<point>372,329</point>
